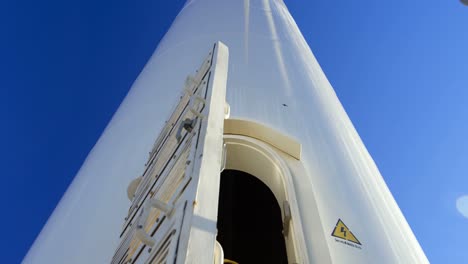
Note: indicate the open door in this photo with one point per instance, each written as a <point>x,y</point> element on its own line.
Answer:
<point>172,218</point>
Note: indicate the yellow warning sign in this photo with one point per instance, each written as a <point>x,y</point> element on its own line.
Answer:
<point>343,232</point>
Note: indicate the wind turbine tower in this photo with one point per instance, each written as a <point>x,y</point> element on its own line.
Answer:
<point>230,147</point>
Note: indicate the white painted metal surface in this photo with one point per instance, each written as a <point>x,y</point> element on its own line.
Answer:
<point>174,207</point>
<point>274,80</point>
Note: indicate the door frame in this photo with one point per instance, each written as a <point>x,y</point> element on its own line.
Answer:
<point>267,162</point>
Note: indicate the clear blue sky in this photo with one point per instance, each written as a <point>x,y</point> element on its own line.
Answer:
<point>399,67</point>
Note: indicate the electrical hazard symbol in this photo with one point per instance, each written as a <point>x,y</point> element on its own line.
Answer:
<point>342,231</point>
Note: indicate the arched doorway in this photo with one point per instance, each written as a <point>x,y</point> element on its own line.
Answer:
<point>249,220</point>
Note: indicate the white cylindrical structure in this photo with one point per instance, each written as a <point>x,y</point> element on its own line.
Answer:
<point>274,79</point>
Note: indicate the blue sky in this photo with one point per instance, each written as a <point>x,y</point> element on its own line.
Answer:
<point>400,68</point>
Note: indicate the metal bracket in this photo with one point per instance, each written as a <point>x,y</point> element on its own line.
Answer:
<point>286,218</point>
<point>133,187</point>
<point>195,105</point>
<point>188,124</point>
<point>227,110</point>
<point>141,222</point>
<point>189,82</point>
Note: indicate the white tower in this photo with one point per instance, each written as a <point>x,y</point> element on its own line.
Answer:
<point>233,86</point>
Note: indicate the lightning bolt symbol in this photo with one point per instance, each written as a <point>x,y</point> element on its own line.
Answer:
<point>343,231</point>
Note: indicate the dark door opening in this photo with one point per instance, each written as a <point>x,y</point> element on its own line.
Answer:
<point>249,220</point>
